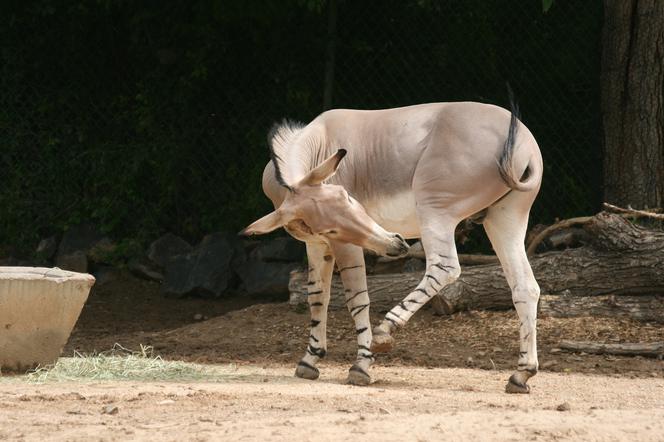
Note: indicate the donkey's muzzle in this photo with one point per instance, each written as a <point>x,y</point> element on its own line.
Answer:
<point>398,247</point>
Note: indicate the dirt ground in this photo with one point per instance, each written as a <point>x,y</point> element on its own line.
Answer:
<point>133,312</point>
<point>404,404</point>
<point>444,381</point>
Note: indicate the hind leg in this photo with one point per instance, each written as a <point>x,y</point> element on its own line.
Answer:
<point>506,224</point>
<point>321,264</point>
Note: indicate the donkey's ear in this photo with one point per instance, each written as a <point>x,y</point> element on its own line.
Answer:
<point>325,170</point>
<point>264,225</point>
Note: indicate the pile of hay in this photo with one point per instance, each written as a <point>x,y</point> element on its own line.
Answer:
<point>120,364</point>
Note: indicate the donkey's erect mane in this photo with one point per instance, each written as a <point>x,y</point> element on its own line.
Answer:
<point>279,138</point>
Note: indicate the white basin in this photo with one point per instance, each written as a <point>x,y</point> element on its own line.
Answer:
<point>38,309</point>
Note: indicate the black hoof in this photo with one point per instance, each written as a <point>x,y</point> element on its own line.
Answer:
<point>306,371</point>
<point>515,387</point>
<point>357,376</point>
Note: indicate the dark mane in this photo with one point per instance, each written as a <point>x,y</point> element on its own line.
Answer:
<point>278,139</point>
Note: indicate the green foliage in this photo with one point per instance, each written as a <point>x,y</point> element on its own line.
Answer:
<point>546,5</point>
<point>147,117</point>
<point>118,254</point>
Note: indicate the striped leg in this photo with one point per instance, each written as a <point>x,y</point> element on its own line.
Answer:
<point>507,230</point>
<point>321,264</point>
<point>442,269</point>
<point>350,260</point>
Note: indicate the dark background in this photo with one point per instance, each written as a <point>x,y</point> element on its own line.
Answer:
<point>149,117</point>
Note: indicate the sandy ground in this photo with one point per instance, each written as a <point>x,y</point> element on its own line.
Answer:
<point>268,403</point>
<point>444,381</point>
<point>241,330</point>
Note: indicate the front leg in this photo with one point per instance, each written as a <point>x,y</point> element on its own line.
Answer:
<point>350,260</point>
<point>442,269</point>
<point>321,265</point>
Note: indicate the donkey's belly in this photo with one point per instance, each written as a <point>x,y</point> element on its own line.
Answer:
<point>395,213</point>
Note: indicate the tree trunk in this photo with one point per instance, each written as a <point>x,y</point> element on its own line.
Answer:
<point>632,88</point>
<point>652,349</point>
<point>620,273</point>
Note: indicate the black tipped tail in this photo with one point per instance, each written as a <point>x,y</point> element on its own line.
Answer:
<point>506,166</point>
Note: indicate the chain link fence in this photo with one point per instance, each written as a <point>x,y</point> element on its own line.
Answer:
<point>150,117</point>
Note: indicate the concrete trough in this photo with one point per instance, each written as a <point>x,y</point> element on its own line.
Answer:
<point>38,310</point>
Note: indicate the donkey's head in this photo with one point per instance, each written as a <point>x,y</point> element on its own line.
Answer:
<point>313,208</point>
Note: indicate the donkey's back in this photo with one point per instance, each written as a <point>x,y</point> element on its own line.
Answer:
<point>410,171</point>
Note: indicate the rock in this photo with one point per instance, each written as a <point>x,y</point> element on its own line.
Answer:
<point>144,270</point>
<point>166,247</point>
<point>82,237</point>
<point>102,251</point>
<point>198,317</point>
<point>205,271</point>
<point>110,409</point>
<point>565,406</point>
<point>414,265</point>
<point>77,243</point>
<point>549,364</point>
<point>47,248</point>
<point>177,275</point>
<point>266,278</point>
<point>105,275</point>
<point>75,261</point>
<point>281,249</point>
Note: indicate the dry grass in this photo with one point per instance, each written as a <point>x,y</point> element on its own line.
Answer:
<point>121,364</point>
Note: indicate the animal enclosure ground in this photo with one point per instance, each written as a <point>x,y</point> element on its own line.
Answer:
<point>133,312</point>
<point>444,382</point>
<point>405,404</point>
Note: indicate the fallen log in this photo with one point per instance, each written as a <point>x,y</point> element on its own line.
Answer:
<point>620,272</point>
<point>652,349</point>
<point>647,308</point>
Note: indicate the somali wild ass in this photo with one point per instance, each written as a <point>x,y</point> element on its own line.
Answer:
<point>410,172</point>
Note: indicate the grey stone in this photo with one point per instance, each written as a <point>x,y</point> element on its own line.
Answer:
<point>166,247</point>
<point>77,246</point>
<point>565,406</point>
<point>110,409</point>
<point>281,249</point>
<point>82,237</point>
<point>144,270</point>
<point>74,262</point>
<point>106,274</point>
<point>102,252</point>
<point>47,248</point>
<point>266,278</point>
<point>177,275</point>
<point>204,271</point>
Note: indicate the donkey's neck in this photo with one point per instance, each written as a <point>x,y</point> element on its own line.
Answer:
<point>305,149</point>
